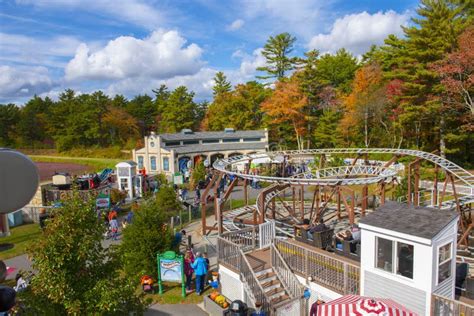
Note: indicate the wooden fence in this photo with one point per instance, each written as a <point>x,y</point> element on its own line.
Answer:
<point>338,275</point>
<point>442,306</point>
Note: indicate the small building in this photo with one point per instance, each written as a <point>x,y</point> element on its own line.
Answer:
<point>173,153</point>
<point>126,178</point>
<point>408,254</point>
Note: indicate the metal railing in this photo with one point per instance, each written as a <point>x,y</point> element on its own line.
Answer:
<point>340,276</point>
<point>246,239</point>
<point>228,253</point>
<point>442,306</point>
<point>285,274</point>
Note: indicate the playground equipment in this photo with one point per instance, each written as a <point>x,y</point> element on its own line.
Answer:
<point>341,191</point>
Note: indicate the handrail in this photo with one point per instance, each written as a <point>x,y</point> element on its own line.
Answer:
<point>257,293</point>
<point>289,280</point>
<point>441,305</point>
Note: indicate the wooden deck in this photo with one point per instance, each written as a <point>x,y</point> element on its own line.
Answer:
<point>260,259</point>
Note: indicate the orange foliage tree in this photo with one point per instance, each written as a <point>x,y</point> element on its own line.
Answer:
<point>287,104</point>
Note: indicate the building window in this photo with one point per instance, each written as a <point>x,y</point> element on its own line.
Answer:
<point>166,164</point>
<point>190,142</point>
<point>405,260</point>
<point>210,141</point>
<point>140,162</point>
<point>231,140</point>
<point>167,144</point>
<point>153,163</point>
<point>388,250</point>
<point>444,262</point>
<point>384,254</point>
<point>253,139</point>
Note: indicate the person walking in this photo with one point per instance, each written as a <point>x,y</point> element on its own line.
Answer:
<point>114,226</point>
<point>188,270</point>
<point>200,270</point>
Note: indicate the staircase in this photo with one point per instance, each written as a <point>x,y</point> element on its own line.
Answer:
<point>272,286</point>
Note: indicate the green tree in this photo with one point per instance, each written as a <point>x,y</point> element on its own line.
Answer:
<point>239,109</point>
<point>433,34</point>
<point>147,235</point>
<point>180,111</point>
<point>167,201</point>
<point>74,272</point>
<point>221,85</point>
<point>276,52</point>
<point>144,110</point>
<point>32,122</point>
<point>337,70</point>
<point>326,133</point>
<point>198,174</point>
<point>9,116</point>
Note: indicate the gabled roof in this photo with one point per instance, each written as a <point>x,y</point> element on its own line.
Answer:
<point>422,222</point>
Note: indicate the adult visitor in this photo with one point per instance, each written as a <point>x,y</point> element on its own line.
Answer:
<point>200,270</point>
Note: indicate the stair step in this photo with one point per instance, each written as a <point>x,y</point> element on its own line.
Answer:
<point>265,276</point>
<point>263,271</point>
<point>277,291</point>
<point>270,283</point>
<point>280,299</point>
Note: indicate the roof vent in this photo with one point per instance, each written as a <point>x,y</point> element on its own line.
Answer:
<point>186,131</point>
<point>229,130</point>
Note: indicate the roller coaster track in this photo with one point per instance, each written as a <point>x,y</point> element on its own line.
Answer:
<point>224,165</point>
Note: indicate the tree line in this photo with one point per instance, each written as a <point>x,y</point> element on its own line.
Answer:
<point>412,92</point>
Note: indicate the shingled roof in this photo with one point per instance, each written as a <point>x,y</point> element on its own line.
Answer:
<point>423,222</point>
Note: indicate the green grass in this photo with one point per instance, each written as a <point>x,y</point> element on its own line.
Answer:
<point>20,237</point>
<point>95,163</point>
<point>172,295</point>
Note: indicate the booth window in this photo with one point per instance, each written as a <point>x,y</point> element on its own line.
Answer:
<point>388,251</point>
<point>166,164</point>
<point>405,260</point>
<point>153,163</point>
<point>384,254</point>
<point>444,262</point>
<point>140,162</point>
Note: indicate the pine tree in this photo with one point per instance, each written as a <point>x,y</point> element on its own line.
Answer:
<point>221,85</point>
<point>276,52</point>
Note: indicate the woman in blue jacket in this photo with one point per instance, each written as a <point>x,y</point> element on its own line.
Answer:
<point>200,269</point>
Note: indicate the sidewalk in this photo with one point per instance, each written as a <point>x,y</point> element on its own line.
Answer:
<point>175,310</point>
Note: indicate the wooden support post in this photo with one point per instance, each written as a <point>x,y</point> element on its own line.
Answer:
<point>302,202</point>
<point>316,191</point>
<point>382,193</point>
<point>204,202</point>
<point>365,194</point>
<point>255,220</point>
<point>416,191</point>
<point>435,187</point>
<point>339,203</point>
<point>293,198</point>
<point>246,192</point>
<point>220,228</point>
<point>445,184</point>
<point>409,185</point>
<point>351,214</point>
<point>273,208</point>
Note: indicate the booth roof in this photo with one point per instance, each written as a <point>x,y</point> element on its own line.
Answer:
<point>423,222</point>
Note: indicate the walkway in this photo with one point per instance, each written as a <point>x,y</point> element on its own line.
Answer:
<point>175,310</point>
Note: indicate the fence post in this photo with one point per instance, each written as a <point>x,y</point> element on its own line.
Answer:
<point>253,237</point>
<point>189,213</point>
<point>305,254</point>
<point>345,278</point>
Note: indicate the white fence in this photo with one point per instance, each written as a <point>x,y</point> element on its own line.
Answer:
<point>266,234</point>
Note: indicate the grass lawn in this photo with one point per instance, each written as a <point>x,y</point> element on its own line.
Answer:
<point>172,295</point>
<point>96,163</point>
<point>20,238</point>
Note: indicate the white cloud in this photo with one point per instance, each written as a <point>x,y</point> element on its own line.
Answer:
<point>162,55</point>
<point>23,81</point>
<point>237,24</point>
<point>357,32</point>
<point>137,12</point>
<point>37,51</point>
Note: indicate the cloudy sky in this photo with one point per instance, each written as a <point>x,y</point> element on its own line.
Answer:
<point>132,46</point>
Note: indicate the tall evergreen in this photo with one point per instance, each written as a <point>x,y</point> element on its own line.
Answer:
<point>276,52</point>
<point>221,85</point>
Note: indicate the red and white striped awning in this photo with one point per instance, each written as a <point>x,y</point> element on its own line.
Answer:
<point>354,305</point>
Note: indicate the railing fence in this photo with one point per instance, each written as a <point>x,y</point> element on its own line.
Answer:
<point>442,306</point>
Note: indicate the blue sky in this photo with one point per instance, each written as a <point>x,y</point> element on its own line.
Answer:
<point>132,46</point>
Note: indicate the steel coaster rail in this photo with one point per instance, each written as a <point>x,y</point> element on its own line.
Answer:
<point>449,166</point>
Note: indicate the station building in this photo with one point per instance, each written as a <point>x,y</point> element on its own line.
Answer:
<point>176,153</point>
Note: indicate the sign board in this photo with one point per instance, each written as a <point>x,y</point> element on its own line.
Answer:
<point>171,269</point>
<point>102,201</point>
<point>178,178</point>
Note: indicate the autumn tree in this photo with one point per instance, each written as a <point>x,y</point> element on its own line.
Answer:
<point>276,52</point>
<point>121,125</point>
<point>287,105</point>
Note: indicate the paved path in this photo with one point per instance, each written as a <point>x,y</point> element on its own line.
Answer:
<point>175,310</point>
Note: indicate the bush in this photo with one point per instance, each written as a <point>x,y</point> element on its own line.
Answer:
<point>198,174</point>
<point>117,196</point>
<point>147,235</point>
<point>167,201</point>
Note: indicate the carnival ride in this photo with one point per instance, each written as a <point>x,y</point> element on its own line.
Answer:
<point>338,193</point>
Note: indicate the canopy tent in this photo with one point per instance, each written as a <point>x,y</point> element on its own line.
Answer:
<point>354,305</point>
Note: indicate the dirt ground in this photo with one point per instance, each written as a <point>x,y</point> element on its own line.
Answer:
<point>47,169</point>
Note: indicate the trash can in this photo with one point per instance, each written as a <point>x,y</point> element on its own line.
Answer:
<point>237,308</point>
<point>15,218</point>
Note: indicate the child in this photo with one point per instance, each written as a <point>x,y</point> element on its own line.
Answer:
<point>114,226</point>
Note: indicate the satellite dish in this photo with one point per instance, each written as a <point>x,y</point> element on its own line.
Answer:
<point>19,180</point>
